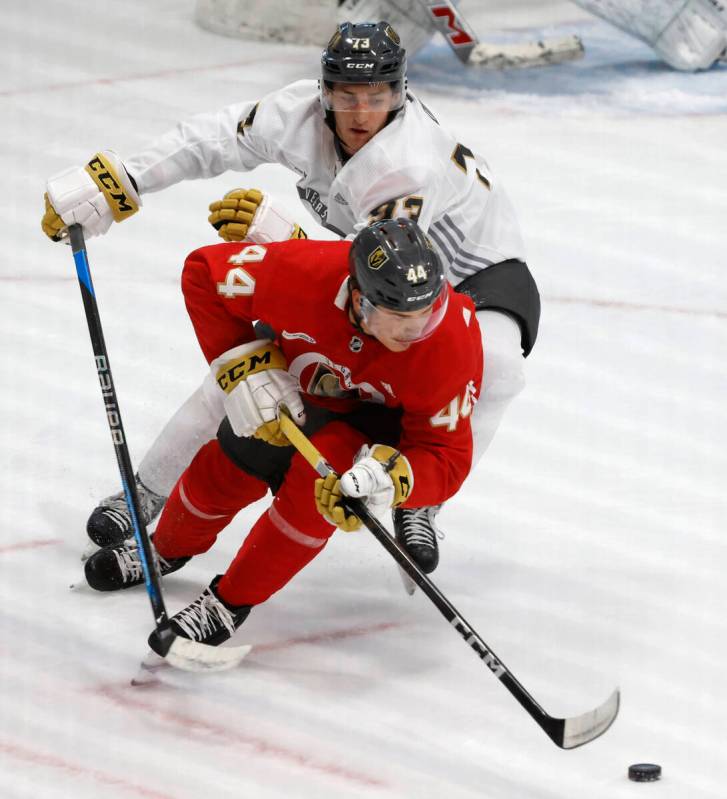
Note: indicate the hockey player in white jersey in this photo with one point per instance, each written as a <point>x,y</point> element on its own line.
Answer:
<point>364,149</point>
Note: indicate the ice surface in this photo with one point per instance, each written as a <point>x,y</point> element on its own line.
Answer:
<point>588,548</point>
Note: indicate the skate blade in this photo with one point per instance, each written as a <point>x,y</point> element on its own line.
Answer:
<point>409,585</point>
<point>156,671</point>
<point>150,669</point>
<point>88,551</point>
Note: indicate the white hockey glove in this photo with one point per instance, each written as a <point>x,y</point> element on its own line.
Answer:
<point>93,196</point>
<point>380,476</point>
<point>250,215</point>
<point>255,382</point>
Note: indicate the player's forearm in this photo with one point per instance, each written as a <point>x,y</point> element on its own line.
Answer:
<point>201,147</point>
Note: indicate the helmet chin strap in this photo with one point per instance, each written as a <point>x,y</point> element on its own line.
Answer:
<point>353,314</point>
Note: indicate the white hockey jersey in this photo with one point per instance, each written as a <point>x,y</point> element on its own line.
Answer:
<point>413,167</point>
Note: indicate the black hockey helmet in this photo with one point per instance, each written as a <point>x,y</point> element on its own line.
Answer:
<point>365,52</point>
<point>394,266</point>
<point>397,271</point>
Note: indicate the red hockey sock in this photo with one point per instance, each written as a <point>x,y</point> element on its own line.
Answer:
<point>204,501</point>
<point>292,532</point>
<point>273,553</point>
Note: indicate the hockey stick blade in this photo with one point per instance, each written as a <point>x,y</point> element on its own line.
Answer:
<point>192,656</point>
<point>188,655</point>
<point>578,730</point>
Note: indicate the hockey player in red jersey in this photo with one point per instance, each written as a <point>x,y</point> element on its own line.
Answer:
<point>376,357</point>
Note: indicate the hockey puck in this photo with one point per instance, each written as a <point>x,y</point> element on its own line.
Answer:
<point>644,772</point>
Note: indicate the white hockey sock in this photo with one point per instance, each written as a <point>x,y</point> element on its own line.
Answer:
<point>193,425</point>
<point>504,376</point>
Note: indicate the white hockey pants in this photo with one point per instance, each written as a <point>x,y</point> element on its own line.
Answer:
<point>504,376</point>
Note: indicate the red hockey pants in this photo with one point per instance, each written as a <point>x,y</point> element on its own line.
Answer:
<point>282,541</point>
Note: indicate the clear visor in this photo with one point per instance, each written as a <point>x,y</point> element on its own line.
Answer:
<point>404,327</point>
<point>362,97</point>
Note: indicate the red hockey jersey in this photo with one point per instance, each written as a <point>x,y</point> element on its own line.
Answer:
<point>299,288</point>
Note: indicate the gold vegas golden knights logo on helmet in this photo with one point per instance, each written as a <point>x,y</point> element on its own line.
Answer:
<point>377,258</point>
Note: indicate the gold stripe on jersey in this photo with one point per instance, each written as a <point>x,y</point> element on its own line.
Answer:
<point>247,123</point>
<point>459,153</point>
<point>458,156</point>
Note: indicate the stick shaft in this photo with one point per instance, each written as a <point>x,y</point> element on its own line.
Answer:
<point>116,427</point>
<point>309,451</point>
<point>451,614</point>
<point>567,733</point>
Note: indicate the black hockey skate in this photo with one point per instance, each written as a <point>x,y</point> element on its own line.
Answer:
<point>209,620</point>
<point>416,532</point>
<point>113,568</point>
<point>110,523</point>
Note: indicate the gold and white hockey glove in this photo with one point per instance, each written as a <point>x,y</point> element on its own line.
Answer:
<point>255,383</point>
<point>380,476</point>
<point>93,196</point>
<point>250,215</point>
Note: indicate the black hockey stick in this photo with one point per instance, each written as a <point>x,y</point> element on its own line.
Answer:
<point>180,652</point>
<point>565,733</point>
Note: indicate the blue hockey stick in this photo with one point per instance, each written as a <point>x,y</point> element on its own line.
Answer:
<point>180,652</point>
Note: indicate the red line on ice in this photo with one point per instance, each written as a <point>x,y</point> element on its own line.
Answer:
<point>126,698</point>
<point>37,278</point>
<point>637,306</point>
<point>45,542</point>
<point>336,635</point>
<point>41,759</point>
<point>162,73</point>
